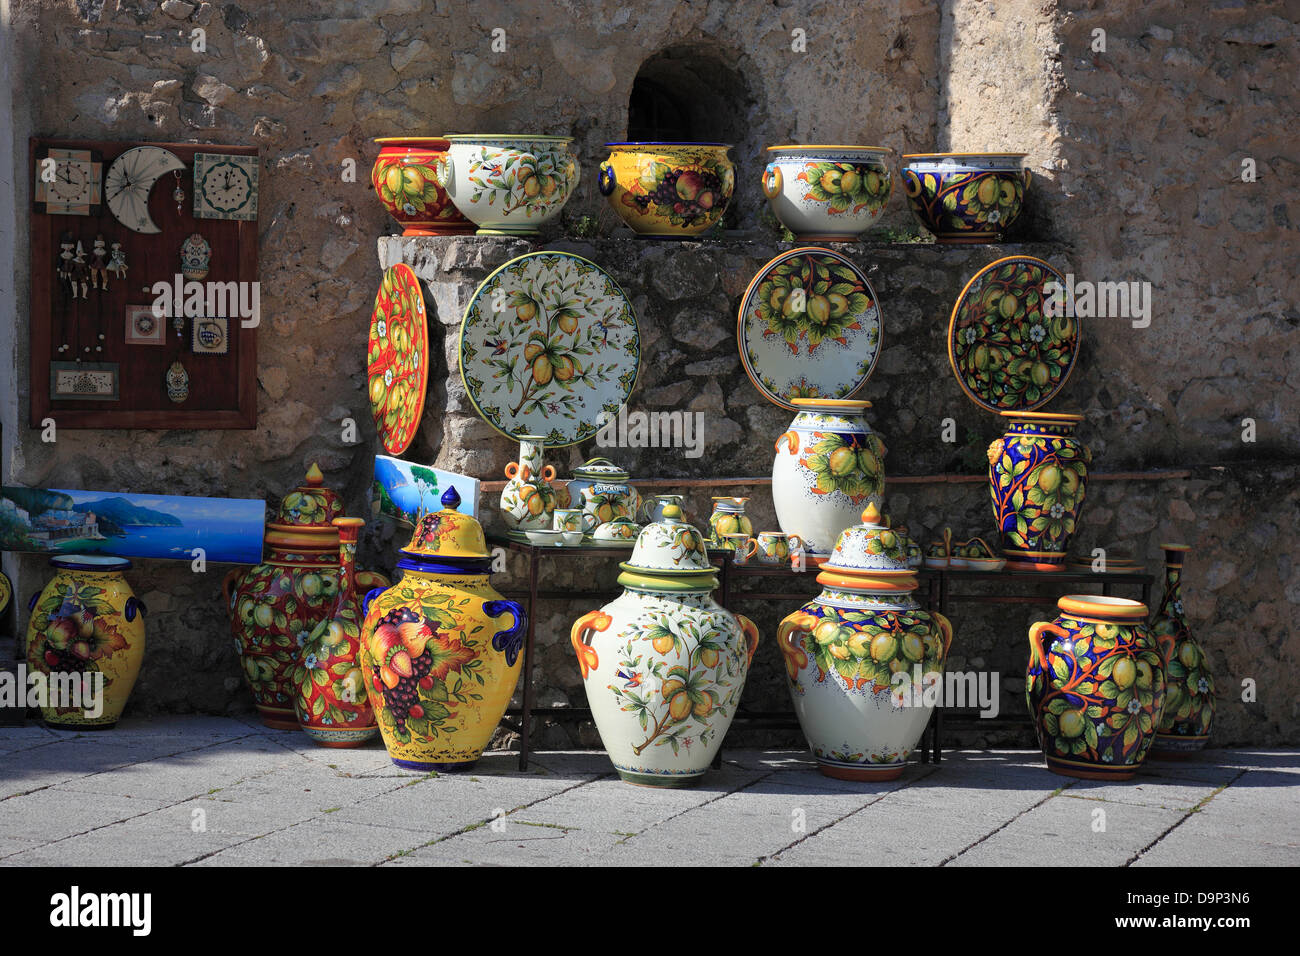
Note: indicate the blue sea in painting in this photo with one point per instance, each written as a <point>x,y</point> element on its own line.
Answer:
<point>402,489</point>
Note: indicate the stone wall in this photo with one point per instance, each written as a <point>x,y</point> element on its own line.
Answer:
<point>1136,153</point>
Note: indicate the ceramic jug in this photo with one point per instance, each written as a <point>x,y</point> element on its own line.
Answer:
<point>276,605</point>
<point>828,466</point>
<point>86,635</point>
<point>528,500</point>
<point>863,658</point>
<point>1189,686</point>
<point>1096,686</point>
<point>440,649</point>
<point>664,664</point>
<point>728,518</point>
<point>331,700</point>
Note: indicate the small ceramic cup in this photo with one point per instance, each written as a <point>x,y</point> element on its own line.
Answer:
<point>742,546</point>
<point>571,539</point>
<point>652,506</point>
<point>573,519</point>
<point>775,547</point>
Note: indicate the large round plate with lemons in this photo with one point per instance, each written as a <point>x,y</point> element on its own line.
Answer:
<point>1007,347</point>
<point>809,327</point>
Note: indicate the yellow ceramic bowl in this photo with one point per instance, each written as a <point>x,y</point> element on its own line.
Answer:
<point>668,189</point>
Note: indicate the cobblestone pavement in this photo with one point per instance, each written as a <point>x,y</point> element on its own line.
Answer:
<point>206,791</point>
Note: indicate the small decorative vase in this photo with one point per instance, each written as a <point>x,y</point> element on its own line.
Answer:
<point>664,664</point>
<point>827,467</point>
<point>1038,475</point>
<point>1096,686</point>
<point>275,606</point>
<point>668,189</point>
<point>86,635</point>
<point>331,702</point>
<point>602,490</point>
<point>405,180</point>
<point>827,193</point>
<point>652,507</point>
<point>728,518</point>
<point>528,500</point>
<point>965,197</point>
<point>509,185</point>
<point>863,657</point>
<point>1189,686</point>
<point>438,661</point>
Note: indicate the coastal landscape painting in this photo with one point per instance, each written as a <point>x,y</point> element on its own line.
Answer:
<point>129,525</point>
<point>403,492</point>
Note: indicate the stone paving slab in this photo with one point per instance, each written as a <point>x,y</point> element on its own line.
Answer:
<point>149,840</point>
<point>56,814</point>
<point>318,842</point>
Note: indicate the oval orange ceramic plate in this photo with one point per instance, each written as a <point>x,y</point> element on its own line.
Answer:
<point>397,359</point>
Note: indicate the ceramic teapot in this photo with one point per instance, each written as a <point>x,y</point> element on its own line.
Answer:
<point>664,664</point>
<point>861,656</point>
<point>601,489</point>
<point>275,606</point>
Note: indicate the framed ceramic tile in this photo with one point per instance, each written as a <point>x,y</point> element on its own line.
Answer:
<point>84,381</point>
<point>225,186</point>
<point>69,182</point>
<point>210,336</point>
<point>143,327</point>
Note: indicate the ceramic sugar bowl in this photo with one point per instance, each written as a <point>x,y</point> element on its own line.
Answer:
<point>440,649</point>
<point>601,489</point>
<point>863,657</point>
<point>664,664</point>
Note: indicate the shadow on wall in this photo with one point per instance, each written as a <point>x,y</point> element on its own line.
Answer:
<point>688,93</point>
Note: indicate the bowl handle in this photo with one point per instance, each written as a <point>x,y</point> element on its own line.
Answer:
<point>911,183</point>
<point>1029,178</point>
<point>605,180</point>
<point>772,182</point>
<point>444,172</point>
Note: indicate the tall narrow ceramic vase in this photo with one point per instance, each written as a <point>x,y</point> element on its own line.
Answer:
<point>1189,695</point>
<point>528,500</point>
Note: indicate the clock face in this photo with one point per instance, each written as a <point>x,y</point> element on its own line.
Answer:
<point>130,180</point>
<point>68,182</point>
<point>225,186</point>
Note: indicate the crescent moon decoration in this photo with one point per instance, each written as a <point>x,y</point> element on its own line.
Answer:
<point>129,181</point>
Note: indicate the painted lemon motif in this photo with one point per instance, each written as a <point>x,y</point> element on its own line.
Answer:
<point>1072,723</point>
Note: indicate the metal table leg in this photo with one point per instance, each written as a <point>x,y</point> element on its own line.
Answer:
<point>526,718</point>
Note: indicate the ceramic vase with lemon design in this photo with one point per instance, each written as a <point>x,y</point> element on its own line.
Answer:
<point>86,629</point>
<point>1096,686</point>
<point>275,606</point>
<point>331,702</point>
<point>664,664</point>
<point>440,649</point>
<point>861,655</point>
<point>1189,699</point>
<point>528,500</point>
<point>728,518</point>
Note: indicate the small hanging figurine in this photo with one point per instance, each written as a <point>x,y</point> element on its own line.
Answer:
<point>79,273</point>
<point>64,262</point>
<point>116,263</point>
<point>99,265</point>
<point>178,194</point>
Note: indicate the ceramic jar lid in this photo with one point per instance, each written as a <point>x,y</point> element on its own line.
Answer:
<point>306,515</point>
<point>869,556</point>
<point>600,469</point>
<point>670,549</point>
<point>448,534</point>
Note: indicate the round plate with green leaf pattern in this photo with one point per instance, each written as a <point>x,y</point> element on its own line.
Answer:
<point>1012,343</point>
<point>809,327</point>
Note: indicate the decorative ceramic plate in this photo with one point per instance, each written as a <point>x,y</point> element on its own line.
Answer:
<point>809,327</point>
<point>6,592</point>
<point>398,357</point>
<point>1006,349</point>
<point>548,345</point>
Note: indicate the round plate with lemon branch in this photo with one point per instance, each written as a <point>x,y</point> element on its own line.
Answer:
<point>549,344</point>
<point>809,327</point>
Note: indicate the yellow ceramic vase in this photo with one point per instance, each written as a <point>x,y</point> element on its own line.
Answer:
<point>440,648</point>
<point>668,189</point>
<point>86,635</point>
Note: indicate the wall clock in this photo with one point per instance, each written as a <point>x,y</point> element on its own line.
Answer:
<point>72,186</point>
<point>225,186</point>
<point>129,181</point>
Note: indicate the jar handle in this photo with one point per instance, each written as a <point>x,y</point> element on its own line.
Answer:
<point>945,628</point>
<point>772,181</point>
<point>31,605</point>
<point>548,473</point>
<point>796,658</point>
<point>751,638</point>
<point>1037,650</point>
<point>1029,177</point>
<point>791,440</point>
<point>511,640</point>
<point>511,469</point>
<point>580,638</point>
<point>911,183</point>
<point>134,604</point>
<point>605,180</point>
<point>228,583</point>
<point>370,596</point>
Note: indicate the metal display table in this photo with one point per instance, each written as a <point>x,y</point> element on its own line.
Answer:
<point>938,590</point>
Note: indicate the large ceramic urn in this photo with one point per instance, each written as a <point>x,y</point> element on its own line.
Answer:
<point>828,466</point>
<point>86,635</point>
<point>864,659</point>
<point>1038,475</point>
<point>1096,686</point>
<point>664,664</point>
<point>1189,686</point>
<point>440,649</point>
<point>275,606</point>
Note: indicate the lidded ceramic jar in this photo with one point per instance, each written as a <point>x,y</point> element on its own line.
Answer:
<point>864,660</point>
<point>601,489</point>
<point>828,465</point>
<point>440,648</point>
<point>664,664</point>
<point>1189,685</point>
<point>276,605</point>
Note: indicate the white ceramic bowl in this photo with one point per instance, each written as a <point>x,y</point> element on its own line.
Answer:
<point>545,538</point>
<point>509,185</point>
<point>828,193</point>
